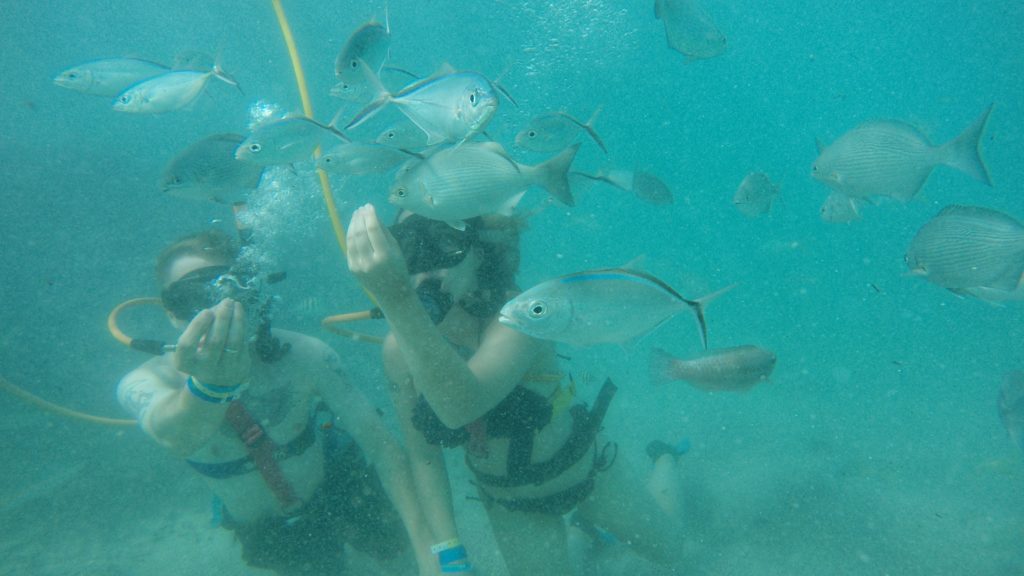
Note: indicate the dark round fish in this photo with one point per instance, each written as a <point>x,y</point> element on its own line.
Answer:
<point>965,247</point>
<point>208,170</point>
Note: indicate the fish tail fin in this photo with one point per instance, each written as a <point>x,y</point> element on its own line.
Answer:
<point>383,97</point>
<point>661,366</point>
<point>964,152</point>
<point>223,76</point>
<point>554,175</point>
<point>589,127</point>
<point>700,304</point>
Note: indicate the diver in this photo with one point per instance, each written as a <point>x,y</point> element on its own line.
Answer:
<point>460,378</point>
<point>298,458</point>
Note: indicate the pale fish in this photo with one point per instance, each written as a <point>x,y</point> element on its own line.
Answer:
<point>477,178</point>
<point>449,106</point>
<point>726,369</point>
<point>208,170</point>
<point>553,131</point>
<point>755,195</point>
<point>689,29</point>
<point>644,185</point>
<point>356,158</point>
<point>840,208</point>
<point>1011,406</point>
<point>109,76</point>
<point>405,135</point>
<point>613,305</point>
<point>168,91</point>
<point>367,46</point>
<point>286,140</point>
<point>889,158</point>
<point>967,247</point>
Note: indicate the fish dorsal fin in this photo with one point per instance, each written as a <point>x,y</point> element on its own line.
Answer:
<point>636,264</point>
<point>443,70</point>
<point>497,148</point>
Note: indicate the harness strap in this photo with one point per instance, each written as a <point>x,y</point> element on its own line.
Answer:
<point>585,426</point>
<point>261,449</point>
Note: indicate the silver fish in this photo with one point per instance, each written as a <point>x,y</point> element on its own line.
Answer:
<point>553,131</point>
<point>612,305</point>
<point>840,208</point>
<point>286,140</point>
<point>689,29</point>
<point>477,178</point>
<point>168,91</point>
<point>356,158</point>
<point>405,135</point>
<point>208,170</point>
<point>449,106</point>
<point>965,247</point>
<point>888,158</point>
<point>109,76</point>
<point>732,369</point>
<point>367,46</point>
<point>646,186</point>
<point>1011,406</point>
<point>755,195</point>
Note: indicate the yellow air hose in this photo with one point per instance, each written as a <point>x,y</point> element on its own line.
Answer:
<point>51,407</point>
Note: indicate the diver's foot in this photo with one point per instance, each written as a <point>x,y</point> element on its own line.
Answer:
<point>656,449</point>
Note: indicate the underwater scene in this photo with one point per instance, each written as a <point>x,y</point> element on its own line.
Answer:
<point>697,287</point>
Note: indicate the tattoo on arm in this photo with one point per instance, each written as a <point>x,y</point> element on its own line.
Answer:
<point>137,400</point>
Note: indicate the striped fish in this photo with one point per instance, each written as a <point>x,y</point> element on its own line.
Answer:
<point>965,247</point>
<point>612,305</point>
<point>733,369</point>
<point>888,158</point>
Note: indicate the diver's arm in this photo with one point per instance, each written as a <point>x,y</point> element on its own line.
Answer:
<point>383,451</point>
<point>213,352</point>
<point>433,487</point>
<point>457,390</point>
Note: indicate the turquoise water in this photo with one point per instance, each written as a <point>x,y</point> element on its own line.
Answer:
<point>875,448</point>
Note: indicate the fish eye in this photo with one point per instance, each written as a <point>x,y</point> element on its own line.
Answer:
<point>400,192</point>
<point>537,309</point>
<point>254,147</point>
<point>532,133</point>
<point>72,75</point>
<point>124,99</point>
<point>814,168</point>
<point>353,64</point>
<point>472,98</point>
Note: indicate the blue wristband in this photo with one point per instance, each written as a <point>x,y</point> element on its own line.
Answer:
<point>453,560</point>
<point>212,394</point>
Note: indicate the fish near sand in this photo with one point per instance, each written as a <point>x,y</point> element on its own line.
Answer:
<point>1011,406</point>
<point>208,170</point>
<point>108,76</point>
<point>553,131</point>
<point>755,195</point>
<point>967,247</point>
<point>450,106</point>
<point>461,182</point>
<point>368,46</point>
<point>726,369</point>
<point>889,158</point>
<point>689,29</point>
<point>612,305</point>
<point>169,91</point>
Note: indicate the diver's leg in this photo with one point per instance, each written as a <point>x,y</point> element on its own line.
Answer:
<point>621,504</point>
<point>532,544</point>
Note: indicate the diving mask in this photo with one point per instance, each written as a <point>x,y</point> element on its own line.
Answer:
<point>431,244</point>
<point>205,287</point>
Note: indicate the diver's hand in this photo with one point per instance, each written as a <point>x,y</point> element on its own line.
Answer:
<point>375,258</point>
<point>212,349</point>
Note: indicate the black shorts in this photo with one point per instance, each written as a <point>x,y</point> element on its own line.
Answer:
<point>350,506</point>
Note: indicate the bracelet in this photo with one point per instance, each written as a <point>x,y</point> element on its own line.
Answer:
<point>451,556</point>
<point>211,393</point>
